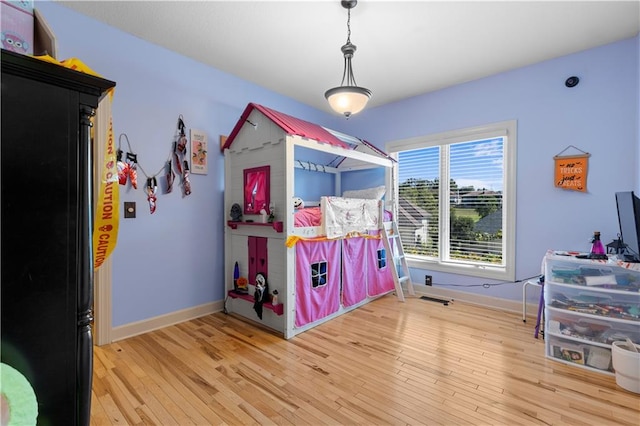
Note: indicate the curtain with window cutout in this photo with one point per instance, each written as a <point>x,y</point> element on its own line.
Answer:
<point>378,272</point>
<point>317,280</point>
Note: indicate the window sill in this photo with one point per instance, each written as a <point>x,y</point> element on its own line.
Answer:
<point>479,271</point>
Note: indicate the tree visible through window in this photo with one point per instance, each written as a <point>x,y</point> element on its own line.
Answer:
<point>467,225</point>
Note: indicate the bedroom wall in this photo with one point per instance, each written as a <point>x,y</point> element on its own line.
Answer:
<point>173,260</point>
<point>599,116</point>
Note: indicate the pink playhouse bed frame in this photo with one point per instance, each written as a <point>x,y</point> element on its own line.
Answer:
<point>320,271</point>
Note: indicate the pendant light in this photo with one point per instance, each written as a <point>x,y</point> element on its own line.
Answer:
<point>348,98</point>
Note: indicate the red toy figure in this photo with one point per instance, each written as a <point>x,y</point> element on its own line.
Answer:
<point>132,161</point>
<point>152,189</point>
<point>123,169</point>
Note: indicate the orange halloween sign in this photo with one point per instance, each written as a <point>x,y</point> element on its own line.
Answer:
<point>571,172</point>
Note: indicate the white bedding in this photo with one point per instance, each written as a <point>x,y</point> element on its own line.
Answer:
<point>343,216</point>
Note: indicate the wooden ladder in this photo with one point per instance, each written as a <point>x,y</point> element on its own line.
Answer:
<point>393,246</point>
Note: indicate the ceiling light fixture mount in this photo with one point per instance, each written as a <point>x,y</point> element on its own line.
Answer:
<point>348,99</point>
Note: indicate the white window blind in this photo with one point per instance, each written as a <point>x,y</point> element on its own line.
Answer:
<point>465,225</point>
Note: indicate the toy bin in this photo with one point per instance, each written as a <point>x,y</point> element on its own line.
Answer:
<point>17,26</point>
<point>626,364</point>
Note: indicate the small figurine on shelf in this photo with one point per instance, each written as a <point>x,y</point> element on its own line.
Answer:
<point>263,215</point>
<point>261,294</point>
<point>242,283</point>
<point>274,297</point>
<point>597,249</point>
<point>236,275</point>
<point>272,212</point>
<point>236,213</point>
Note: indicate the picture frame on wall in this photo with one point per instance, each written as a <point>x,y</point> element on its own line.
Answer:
<point>199,161</point>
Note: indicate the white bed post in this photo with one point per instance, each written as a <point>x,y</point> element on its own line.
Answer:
<point>290,299</point>
<point>228,269</point>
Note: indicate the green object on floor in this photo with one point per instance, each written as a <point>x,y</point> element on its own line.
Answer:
<point>19,404</point>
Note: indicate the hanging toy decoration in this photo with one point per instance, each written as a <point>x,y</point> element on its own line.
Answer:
<point>152,190</point>
<point>186,183</point>
<point>129,167</point>
<point>170,176</point>
<point>132,161</point>
<point>123,168</point>
<point>180,156</point>
<point>182,138</point>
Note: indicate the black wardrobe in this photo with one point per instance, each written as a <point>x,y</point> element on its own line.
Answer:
<point>46,219</point>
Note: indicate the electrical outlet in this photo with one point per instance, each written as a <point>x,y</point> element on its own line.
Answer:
<point>129,209</point>
<point>428,280</point>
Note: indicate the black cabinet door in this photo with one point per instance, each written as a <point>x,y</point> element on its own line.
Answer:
<point>39,240</point>
<point>45,227</point>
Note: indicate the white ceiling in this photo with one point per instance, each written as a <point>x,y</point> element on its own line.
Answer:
<point>405,48</point>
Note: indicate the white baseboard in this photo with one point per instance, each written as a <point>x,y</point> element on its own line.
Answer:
<point>476,299</point>
<point>151,324</point>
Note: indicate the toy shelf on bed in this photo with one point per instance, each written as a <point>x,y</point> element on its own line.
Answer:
<point>278,309</point>
<point>277,226</point>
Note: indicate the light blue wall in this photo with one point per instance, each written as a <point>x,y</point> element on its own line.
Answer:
<point>173,260</point>
<point>599,116</point>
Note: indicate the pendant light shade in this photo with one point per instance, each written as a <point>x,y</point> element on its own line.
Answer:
<point>349,98</point>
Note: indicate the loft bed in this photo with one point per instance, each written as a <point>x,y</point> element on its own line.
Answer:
<point>323,260</point>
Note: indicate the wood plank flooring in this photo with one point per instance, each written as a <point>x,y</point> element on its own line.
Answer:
<point>387,363</point>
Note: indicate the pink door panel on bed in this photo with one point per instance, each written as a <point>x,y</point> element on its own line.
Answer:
<point>317,291</point>
<point>257,258</point>
<point>354,258</point>
<point>379,278</point>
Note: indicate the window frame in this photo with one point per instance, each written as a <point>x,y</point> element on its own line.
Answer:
<point>381,256</point>
<point>507,130</point>
<point>321,273</point>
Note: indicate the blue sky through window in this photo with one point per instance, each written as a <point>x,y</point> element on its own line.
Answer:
<point>477,163</point>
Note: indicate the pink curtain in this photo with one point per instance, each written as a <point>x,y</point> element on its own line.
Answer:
<point>379,279</point>
<point>314,303</point>
<point>258,201</point>
<point>354,285</point>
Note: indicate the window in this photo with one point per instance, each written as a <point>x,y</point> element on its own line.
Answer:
<point>382,258</point>
<point>468,225</point>
<point>318,274</point>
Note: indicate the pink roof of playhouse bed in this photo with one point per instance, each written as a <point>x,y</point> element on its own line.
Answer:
<point>295,126</point>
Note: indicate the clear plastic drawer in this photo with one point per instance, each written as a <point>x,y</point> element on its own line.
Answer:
<point>598,302</point>
<point>587,329</point>
<point>585,355</point>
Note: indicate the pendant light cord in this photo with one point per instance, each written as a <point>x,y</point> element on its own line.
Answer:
<point>348,26</point>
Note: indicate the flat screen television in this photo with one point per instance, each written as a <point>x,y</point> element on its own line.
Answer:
<point>629,219</point>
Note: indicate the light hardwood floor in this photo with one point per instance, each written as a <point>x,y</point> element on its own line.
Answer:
<point>388,362</point>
